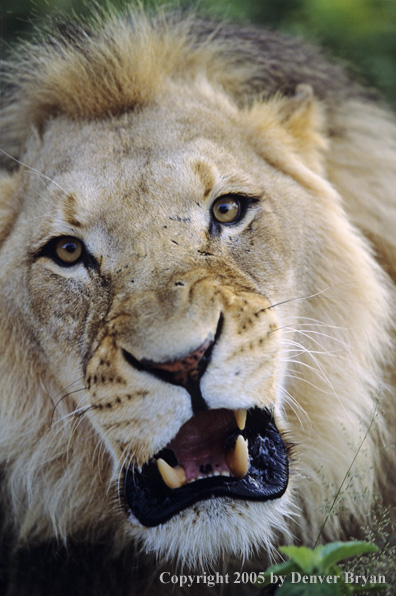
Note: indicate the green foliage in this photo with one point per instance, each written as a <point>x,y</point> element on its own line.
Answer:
<point>381,531</point>
<point>315,571</point>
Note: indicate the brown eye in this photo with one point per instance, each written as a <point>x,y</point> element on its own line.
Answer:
<point>68,250</point>
<point>227,209</point>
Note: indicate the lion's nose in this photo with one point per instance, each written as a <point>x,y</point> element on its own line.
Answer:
<point>186,371</point>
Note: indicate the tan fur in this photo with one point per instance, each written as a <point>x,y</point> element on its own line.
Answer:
<point>125,140</point>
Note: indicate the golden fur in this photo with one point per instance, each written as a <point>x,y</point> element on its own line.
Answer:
<point>124,137</point>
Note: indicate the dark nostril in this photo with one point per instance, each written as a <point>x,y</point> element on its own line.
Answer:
<point>186,371</point>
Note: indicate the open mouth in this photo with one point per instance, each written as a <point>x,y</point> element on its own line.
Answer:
<point>217,453</point>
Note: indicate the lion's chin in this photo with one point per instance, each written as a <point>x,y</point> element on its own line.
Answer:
<point>248,463</point>
<point>212,532</point>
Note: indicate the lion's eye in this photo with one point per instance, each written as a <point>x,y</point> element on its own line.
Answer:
<point>227,209</point>
<point>68,250</point>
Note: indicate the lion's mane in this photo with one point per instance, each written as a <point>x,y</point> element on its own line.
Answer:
<point>339,396</point>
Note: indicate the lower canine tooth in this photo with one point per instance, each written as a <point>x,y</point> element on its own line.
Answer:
<point>173,477</point>
<point>238,459</point>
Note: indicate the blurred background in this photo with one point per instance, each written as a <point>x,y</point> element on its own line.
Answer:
<point>362,33</point>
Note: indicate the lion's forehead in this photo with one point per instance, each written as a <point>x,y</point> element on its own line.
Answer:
<point>157,153</point>
<point>101,183</point>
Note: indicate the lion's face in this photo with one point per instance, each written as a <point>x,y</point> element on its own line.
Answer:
<point>161,259</point>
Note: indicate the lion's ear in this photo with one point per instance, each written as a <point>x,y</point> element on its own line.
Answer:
<point>300,114</point>
<point>295,123</point>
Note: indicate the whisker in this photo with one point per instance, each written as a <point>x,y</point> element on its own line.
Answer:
<point>295,406</point>
<point>304,380</point>
<point>66,387</point>
<point>307,297</point>
<point>75,424</point>
<point>312,368</point>
<point>320,367</point>
<point>76,412</point>
<point>62,398</point>
<point>34,170</point>
<point>315,322</point>
<point>303,329</point>
<point>300,351</point>
<point>123,464</point>
<point>40,216</point>
<point>312,332</point>
<point>310,353</point>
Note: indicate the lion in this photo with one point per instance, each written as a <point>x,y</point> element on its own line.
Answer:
<point>197,303</point>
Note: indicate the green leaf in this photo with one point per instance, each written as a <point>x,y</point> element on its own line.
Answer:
<point>336,551</point>
<point>369,588</point>
<point>282,568</point>
<point>310,589</point>
<point>288,589</point>
<point>278,569</point>
<point>305,557</point>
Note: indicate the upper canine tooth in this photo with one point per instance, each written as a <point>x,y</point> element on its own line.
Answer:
<point>240,417</point>
<point>173,477</point>
<point>238,459</point>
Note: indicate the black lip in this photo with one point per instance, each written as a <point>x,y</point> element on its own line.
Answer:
<point>153,503</point>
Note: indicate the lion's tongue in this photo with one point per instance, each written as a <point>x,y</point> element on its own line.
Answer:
<point>199,449</point>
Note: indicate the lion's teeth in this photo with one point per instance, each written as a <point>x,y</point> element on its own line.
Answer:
<point>211,475</point>
<point>238,459</point>
<point>173,477</point>
<point>240,417</point>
